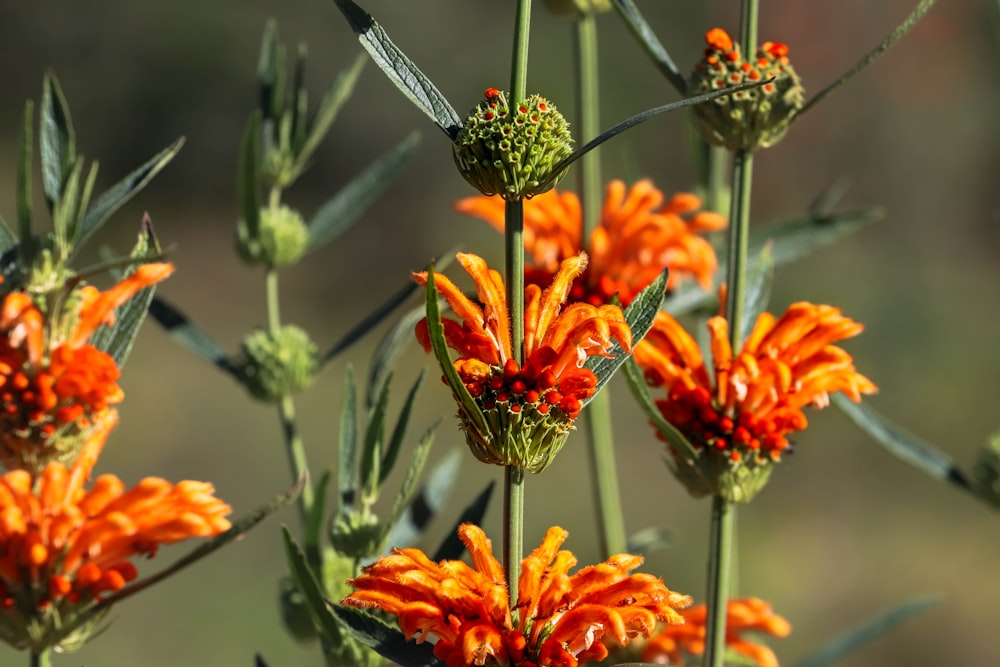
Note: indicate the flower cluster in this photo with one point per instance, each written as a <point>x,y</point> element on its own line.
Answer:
<point>741,417</point>
<point>559,620</point>
<point>641,232</point>
<point>529,407</point>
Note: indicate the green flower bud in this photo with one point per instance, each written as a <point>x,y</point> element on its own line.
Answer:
<point>512,151</point>
<point>357,535</point>
<point>281,239</point>
<point>518,435</point>
<point>577,7</point>
<point>986,472</point>
<point>274,366</point>
<point>748,119</point>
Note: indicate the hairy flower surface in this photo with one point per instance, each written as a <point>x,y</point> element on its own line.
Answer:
<point>673,643</point>
<point>53,384</point>
<point>63,545</point>
<point>738,413</point>
<point>529,407</point>
<point>639,235</point>
<point>560,620</point>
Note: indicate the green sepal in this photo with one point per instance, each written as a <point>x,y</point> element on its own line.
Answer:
<point>24,174</point>
<point>401,71</point>
<point>314,518</point>
<point>409,484</point>
<point>384,639</point>
<point>918,453</point>
<point>392,450</point>
<point>835,651</point>
<point>326,113</point>
<point>435,330</point>
<point>641,30</point>
<point>673,436</point>
<point>249,177</point>
<point>190,336</point>
<point>648,540</point>
<point>117,340</point>
<point>372,444</point>
<point>757,292</point>
<point>315,596</point>
<point>347,445</point>
<point>112,199</point>
<point>639,315</point>
<point>426,503</point>
<point>452,547</point>
<point>56,140</point>
<point>339,213</point>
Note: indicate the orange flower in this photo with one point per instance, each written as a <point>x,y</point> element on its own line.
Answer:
<point>560,620</point>
<point>672,643</point>
<point>63,546</point>
<point>53,385</point>
<point>530,407</point>
<point>639,235</point>
<point>755,399</point>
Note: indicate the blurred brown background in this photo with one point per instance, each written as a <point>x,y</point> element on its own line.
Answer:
<point>844,532</point>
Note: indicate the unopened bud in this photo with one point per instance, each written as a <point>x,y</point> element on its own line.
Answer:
<point>278,365</point>
<point>281,239</point>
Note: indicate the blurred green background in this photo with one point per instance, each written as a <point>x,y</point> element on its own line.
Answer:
<point>844,531</point>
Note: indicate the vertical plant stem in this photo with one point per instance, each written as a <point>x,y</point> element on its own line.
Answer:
<point>598,414</point>
<point>519,56</point>
<point>42,659</point>
<point>514,273</point>
<point>513,528</point>
<point>739,232</point>
<point>719,548</point>
<point>716,193</point>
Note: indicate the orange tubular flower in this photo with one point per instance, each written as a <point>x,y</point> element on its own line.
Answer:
<point>673,643</point>
<point>560,620</point>
<point>639,235</point>
<point>63,546</point>
<point>53,385</point>
<point>742,417</point>
<point>529,409</point>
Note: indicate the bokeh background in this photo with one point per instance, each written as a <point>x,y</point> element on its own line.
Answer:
<point>843,532</point>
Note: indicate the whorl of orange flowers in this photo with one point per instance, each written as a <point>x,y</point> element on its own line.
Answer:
<point>53,384</point>
<point>744,406</point>
<point>673,643</point>
<point>527,405</point>
<point>63,545</point>
<point>560,620</point>
<point>639,235</point>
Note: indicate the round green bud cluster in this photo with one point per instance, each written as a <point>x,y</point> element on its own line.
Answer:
<point>513,151</point>
<point>281,238</point>
<point>357,535</point>
<point>577,7</point>
<point>276,365</point>
<point>748,119</point>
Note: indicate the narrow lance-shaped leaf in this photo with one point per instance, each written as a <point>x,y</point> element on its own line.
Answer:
<point>24,175</point>
<point>248,180</point>
<point>315,597</point>
<point>371,321</point>
<point>371,448</point>
<point>639,315</point>
<point>345,208</point>
<point>647,39</point>
<point>399,432</point>
<point>760,278</point>
<point>385,640</point>
<point>300,99</point>
<point>451,548</point>
<point>850,642</point>
<point>409,485</point>
<point>674,437</point>
<point>56,141</point>
<point>918,453</point>
<point>189,336</point>
<point>400,69</point>
<point>268,71</point>
<point>111,200</point>
<point>347,445</point>
<point>314,520</point>
<point>8,239</point>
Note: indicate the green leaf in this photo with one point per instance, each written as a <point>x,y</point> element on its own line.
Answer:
<point>8,239</point>
<point>313,593</point>
<point>329,107</point>
<point>338,214</point>
<point>640,29</point>
<point>918,453</point>
<point>399,432</point>
<point>411,478</point>
<point>371,321</point>
<point>347,446</point>
<point>648,540</point>
<point>850,642</point>
<point>117,340</point>
<point>451,548</point>
<point>56,141</point>
<point>426,504</point>
<point>387,641</point>
<point>400,69</point>
<point>374,440</point>
<point>189,336</point>
<point>300,100</point>
<point>270,72</point>
<point>674,437</point>
<point>249,177</point>
<point>314,520</point>
<point>111,200</point>
<point>760,278</point>
<point>639,315</point>
<point>24,174</point>
<point>435,332</point>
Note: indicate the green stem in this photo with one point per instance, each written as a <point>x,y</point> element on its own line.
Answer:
<point>273,301</point>
<point>519,56</point>
<point>716,195</point>
<point>719,551</point>
<point>610,518</point>
<point>514,274</point>
<point>42,659</point>
<point>739,232</point>
<point>513,528</point>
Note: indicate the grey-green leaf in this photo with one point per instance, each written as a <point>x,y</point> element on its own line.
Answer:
<point>674,437</point>
<point>399,432</point>
<point>850,642</point>
<point>400,69</point>
<point>189,336</point>
<point>371,321</point>
<point>312,591</point>
<point>760,278</point>
<point>409,485</point>
<point>345,208</point>
<point>372,445</point>
<point>56,141</point>
<point>8,239</point>
<point>426,504</point>
<point>24,174</point>
<point>451,548</point>
<point>387,641</point>
<point>347,446</point>
<point>918,453</point>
